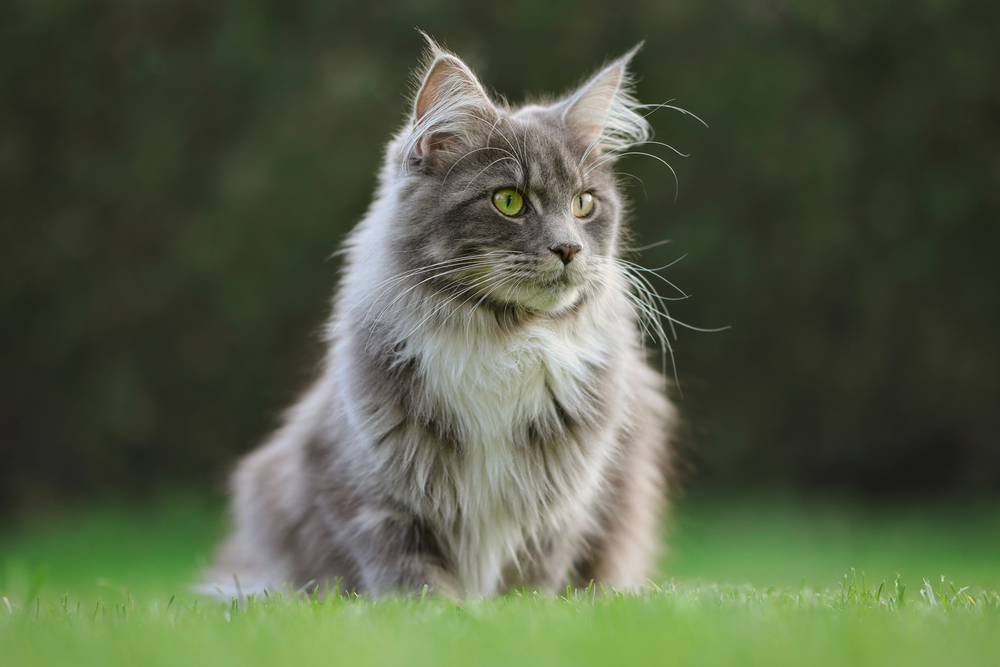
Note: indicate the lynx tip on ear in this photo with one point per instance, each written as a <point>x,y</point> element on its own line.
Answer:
<point>433,47</point>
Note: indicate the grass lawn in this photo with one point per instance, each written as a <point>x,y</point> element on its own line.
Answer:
<point>748,583</point>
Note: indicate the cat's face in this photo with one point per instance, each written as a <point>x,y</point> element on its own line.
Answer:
<point>510,208</point>
<point>523,219</point>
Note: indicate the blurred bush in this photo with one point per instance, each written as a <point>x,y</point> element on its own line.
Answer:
<point>175,175</point>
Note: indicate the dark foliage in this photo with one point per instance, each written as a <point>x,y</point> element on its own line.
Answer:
<point>175,175</point>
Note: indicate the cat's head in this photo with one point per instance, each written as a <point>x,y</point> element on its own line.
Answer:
<point>517,206</point>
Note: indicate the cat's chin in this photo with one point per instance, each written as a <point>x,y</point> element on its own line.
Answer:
<point>552,301</point>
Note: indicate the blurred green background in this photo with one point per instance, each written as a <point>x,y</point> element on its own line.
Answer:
<point>174,177</point>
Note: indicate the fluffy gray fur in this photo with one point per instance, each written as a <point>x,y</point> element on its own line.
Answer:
<point>484,418</point>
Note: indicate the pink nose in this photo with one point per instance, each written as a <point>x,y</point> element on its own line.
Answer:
<point>565,252</point>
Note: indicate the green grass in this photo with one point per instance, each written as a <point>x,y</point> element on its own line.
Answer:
<point>751,583</point>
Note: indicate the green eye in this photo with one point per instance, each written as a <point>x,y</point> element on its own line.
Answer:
<point>509,202</point>
<point>583,204</point>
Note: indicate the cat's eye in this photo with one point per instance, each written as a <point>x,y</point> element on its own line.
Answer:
<point>509,202</point>
<point>583,204</point>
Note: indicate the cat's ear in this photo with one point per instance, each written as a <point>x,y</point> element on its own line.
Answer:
<point>450,111</point>
<point>603,111</point>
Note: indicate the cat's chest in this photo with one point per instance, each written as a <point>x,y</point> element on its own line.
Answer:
<point>509,491</point>
<point>491,387</point>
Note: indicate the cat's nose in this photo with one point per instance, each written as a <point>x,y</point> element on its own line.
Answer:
<point>565,252</point>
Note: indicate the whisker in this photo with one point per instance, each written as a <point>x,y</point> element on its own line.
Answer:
<point>660,143</point>
<point>374,324</point>
<point>644,132</point>
<point>693,328</point>
<point>613,156</point>
<point>479,303</point>
<point>603,283</point>
<point>666,348</point>
<point>496,126</point>
<point>633,265</point>
<point>438,308</point>
<point>485,148</point>
<point>469,184</point>
<point>649,295</point>
<point>641,183</point>
<point>474,261</point>
<point>642,285</point>
<point>667,105</point>
<point>388,282</point>
<point>462,265</point>
<point>647,247</point>
<point>520,147</point>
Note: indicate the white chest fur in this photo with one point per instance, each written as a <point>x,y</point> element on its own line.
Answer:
<point>492,385</point>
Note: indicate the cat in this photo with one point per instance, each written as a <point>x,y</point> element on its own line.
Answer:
<point>484,419</point>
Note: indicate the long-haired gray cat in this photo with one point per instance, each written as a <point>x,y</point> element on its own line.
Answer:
<point>484,418</point>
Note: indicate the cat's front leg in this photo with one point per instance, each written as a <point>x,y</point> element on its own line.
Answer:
<point>399,552</point>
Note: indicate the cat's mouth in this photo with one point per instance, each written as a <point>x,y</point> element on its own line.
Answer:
<point>541,288</point>
<point>560,282</point>
<point>550,292</point>
<point>564,277</point>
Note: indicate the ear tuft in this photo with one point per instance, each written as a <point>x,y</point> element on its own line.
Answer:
<point>604,112</point>
<point>446,81</point>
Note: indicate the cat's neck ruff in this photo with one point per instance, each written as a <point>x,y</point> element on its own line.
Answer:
<point>492,377</point>
<point>493,380</point>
